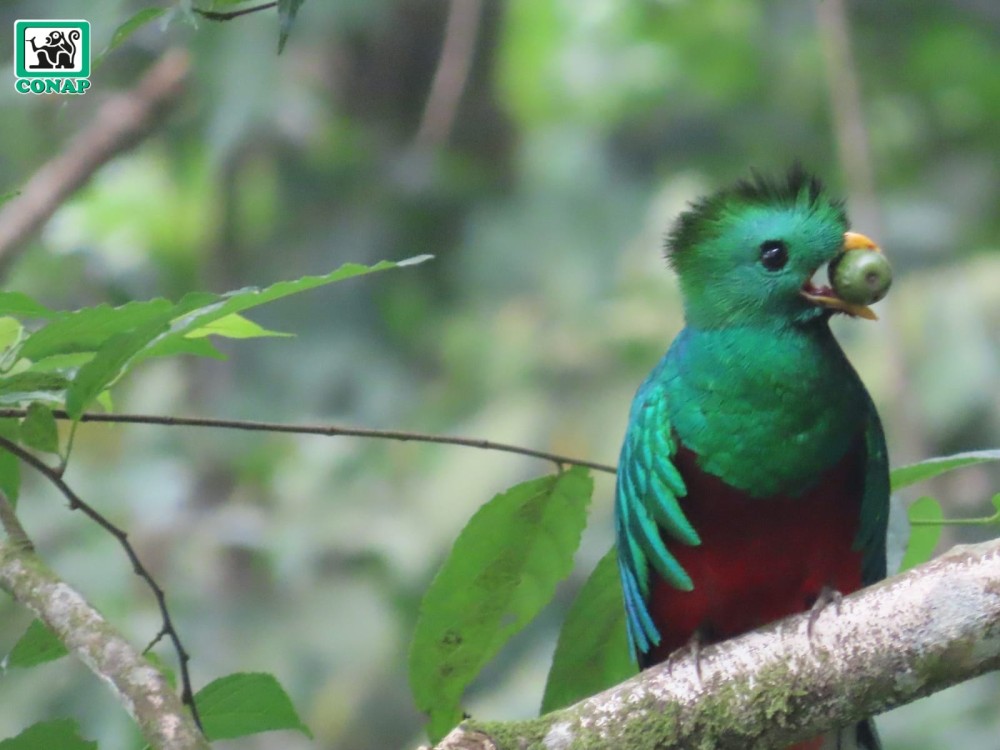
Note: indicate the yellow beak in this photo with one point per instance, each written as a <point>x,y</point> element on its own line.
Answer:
<point>855,241</point>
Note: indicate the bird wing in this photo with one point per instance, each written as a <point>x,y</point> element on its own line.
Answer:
<point>646,502</point>
<point>874,502</point>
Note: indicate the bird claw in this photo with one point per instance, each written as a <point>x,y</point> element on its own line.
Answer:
<point>827,596</point>
<point>692,647</point>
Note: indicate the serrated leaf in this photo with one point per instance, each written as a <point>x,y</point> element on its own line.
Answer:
<point>923,537</point>
<point>25,387</point>
<point>233,326</point>
<point>10,465</point>
<point>199,309</point>
<point>287,10</point>
<point>121,337</point>
<point>65,364</point>
<point>88,329</point>
<point>21,305</point>
<point>502,570</point>
<point>171,346</point>
<point>110,363</point>
<point>246,703</point>
<point>36,646</point>
<point>38,429</point>
<point>932,467</point>
<point>128,28</point>
<point>49,735</point>
<point>592,651</point>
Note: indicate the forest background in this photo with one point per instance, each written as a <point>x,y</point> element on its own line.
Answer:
<point>543,182</point>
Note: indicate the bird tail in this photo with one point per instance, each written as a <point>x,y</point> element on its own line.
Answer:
<point>862,736</point>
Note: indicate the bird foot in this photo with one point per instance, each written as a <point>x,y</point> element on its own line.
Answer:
<point>693,648</point>
<point>827,596</point>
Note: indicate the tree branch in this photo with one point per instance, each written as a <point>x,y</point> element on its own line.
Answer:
<point>140,687</point>
<point>452,72</point>
<point>900,640</point>
<point>121,122</point>
<point>325,430</point>
<point>167,628</point>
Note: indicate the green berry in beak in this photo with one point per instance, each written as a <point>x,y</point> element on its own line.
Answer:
<point>860,278</point>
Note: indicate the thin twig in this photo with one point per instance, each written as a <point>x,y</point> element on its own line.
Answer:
<point>452,72</point>
<point>217,15</point>
<point>325,430</point>
<point>75,503</point>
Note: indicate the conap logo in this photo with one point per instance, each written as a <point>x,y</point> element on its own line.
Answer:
<point>52,56</point>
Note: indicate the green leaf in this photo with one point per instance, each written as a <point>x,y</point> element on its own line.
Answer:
<point>10,465</point>
<point>200,309</point>
<point>174,345</point>
<point>21,305</point>
<point>49,735</point>
<point>233,326</point>
<point>37,646</point>
<point>121,337</point>
<point>128,28</point>
<point>105,401</point>
<point>246,703</point>
<point>502,570</point>
<point>11,331</point>
<point>287,10</point>
<point>66,364</point>
<point>932,467</point>
<point>923,538</point>
<point>38,429</point>
<point>88,329</point>
<point>592,652</point>
<point>110,363</point>
<point>25,387</point>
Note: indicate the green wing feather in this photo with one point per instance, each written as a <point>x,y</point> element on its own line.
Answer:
<point>646,502</point>
<point>874,502</point>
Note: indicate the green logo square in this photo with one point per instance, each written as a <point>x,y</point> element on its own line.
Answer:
<point>52,49</point>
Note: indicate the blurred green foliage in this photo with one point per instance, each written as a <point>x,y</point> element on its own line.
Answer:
<point>583,129</point>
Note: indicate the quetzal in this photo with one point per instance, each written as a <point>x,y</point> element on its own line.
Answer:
<point>753,480</point>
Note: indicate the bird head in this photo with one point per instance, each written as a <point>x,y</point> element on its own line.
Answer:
<point>746,255</point>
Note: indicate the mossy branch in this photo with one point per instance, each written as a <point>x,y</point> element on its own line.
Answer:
<point>902,639</point>
<point>139,686</point>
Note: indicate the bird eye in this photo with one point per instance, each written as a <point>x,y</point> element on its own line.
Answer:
<point>773,254</point>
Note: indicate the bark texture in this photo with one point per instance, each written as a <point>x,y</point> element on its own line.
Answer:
<point>140,687</point>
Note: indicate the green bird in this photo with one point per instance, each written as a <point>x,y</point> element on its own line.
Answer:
<point>753,481</point>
